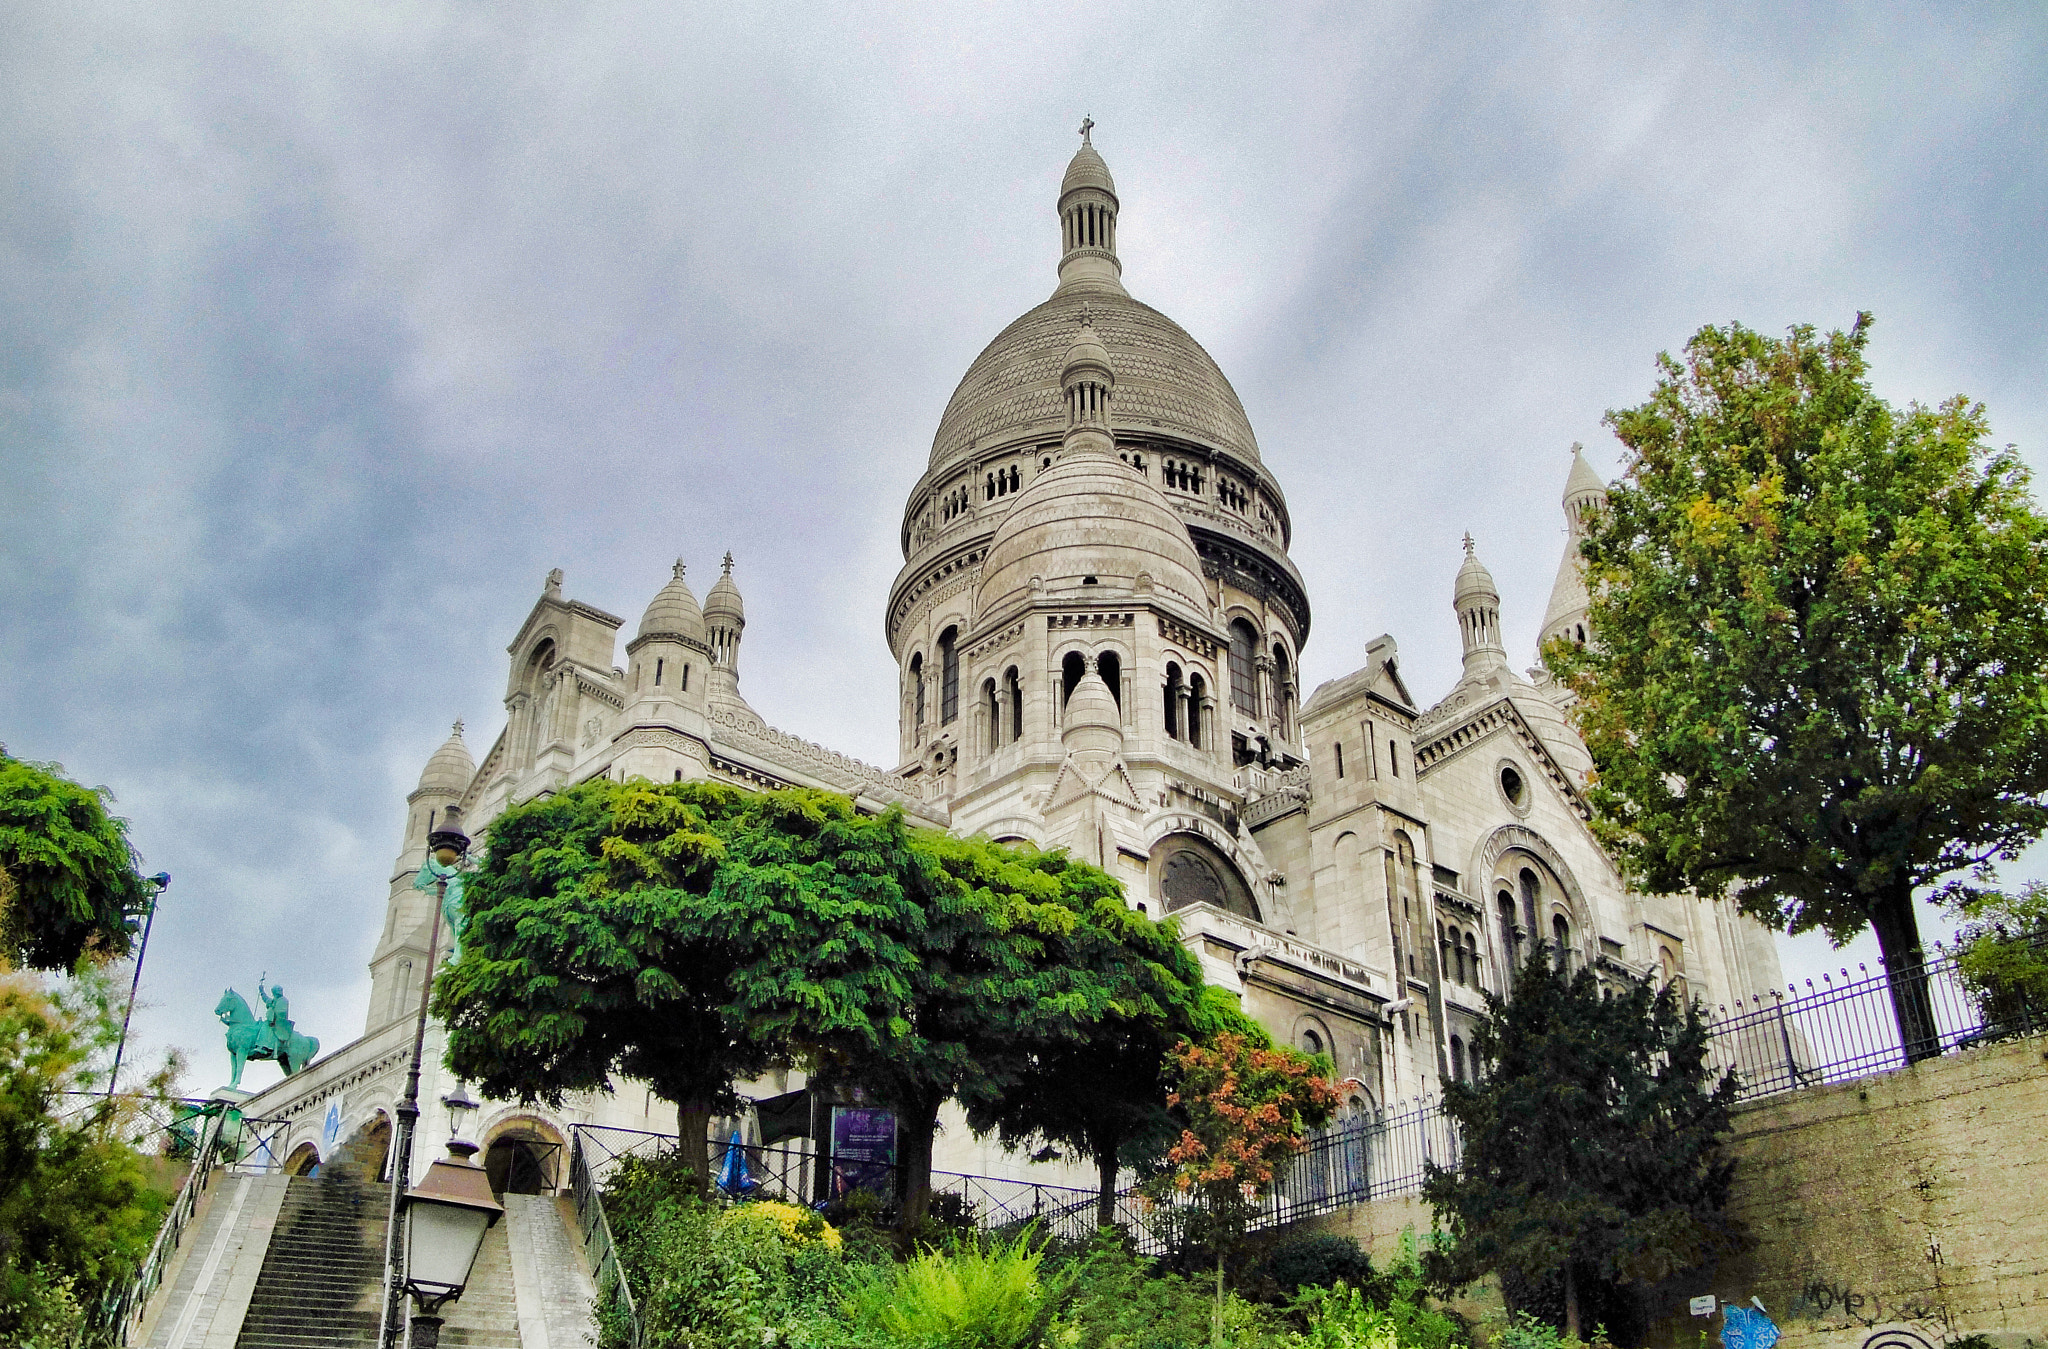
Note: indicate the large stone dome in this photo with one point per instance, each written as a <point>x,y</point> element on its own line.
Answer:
<point>1165,381</point>
<point>1092,526</point>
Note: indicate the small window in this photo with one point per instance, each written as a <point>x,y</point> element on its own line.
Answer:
<point>917,681</point>
<point>1311,1043</point>
<point>1112,671</point>
<point>1393,756</point>
<point>949,675</point>
<point>1511,785</point>
<point>657,672</point>
<point>1244,689</point>
<point>1015,684</point>
<point>686,678</point>
<point>1457,1059</point>
<point>1197,688</point>
<point>1071,669</point>
<point>1338,745</point>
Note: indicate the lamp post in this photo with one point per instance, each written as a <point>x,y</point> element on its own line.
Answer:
<point>161,882</point>
<point>447,845</point>
<point>446,1218</point>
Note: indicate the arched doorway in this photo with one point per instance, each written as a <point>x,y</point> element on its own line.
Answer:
<point>524,1157</point>
<point>304,1161</point>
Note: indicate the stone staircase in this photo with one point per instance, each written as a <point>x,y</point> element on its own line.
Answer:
<point>322,1277</point>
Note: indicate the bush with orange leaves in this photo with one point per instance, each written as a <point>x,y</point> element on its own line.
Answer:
<point>1245,1107</point>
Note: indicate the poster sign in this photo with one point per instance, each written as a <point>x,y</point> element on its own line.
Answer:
<point>863,1150</point>
<point>330,1127</point>
<point>1704,1305</point>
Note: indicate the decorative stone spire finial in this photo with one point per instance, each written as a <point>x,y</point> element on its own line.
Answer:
<point>1477,602</point>
<point>458,728</point>
<point>1468,543</point>
<point>1087,125</point>
<point>677,572</point>
<point>728,562</point>
<point>553,588</point>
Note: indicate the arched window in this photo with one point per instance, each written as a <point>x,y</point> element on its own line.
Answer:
<point>1311,1043</point>
<point>1244,675</point>
<point>1172,694</point>
<point>1280,678</point>
<point>917,682</point>
<point>1015,684</point>
<point>1445,944</point>
<point>1197,690</point>
<point>1532,895</point>
<point>949,675</point>
<point>994,706</point>
<point>1508,941</point>
<point>1561,931</point>
<point>1111,668</point>
<point>1457,1059</point>
<point>1472,961</point>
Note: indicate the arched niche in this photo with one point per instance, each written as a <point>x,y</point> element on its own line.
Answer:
<point>1188,869</point>
<point>1514,849</point>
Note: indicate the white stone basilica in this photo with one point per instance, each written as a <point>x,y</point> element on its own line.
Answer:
<point>1098,631</point>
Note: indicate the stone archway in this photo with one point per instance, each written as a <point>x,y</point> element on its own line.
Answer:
<point>524,1155</point>
<point>303,1161</point>
<point>1189,869</point>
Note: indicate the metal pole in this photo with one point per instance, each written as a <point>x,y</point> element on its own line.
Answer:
<point>134,985</point>
<point>408,1112</point>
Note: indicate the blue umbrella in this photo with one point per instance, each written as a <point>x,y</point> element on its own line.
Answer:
<point>733,1176</point>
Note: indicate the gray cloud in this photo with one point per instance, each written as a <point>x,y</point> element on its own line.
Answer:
<point>329,329</point>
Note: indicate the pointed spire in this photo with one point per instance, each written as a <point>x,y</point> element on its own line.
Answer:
<point>1585,496</point>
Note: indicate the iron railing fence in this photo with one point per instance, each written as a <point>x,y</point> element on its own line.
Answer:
<point>616,1307</point>
<point>118,1315</point>
<point>1842,1031</point>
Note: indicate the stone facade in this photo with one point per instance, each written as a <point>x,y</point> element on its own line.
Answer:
<point>1098,631</point>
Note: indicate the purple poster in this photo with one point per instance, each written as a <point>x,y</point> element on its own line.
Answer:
<point>863,1150</point>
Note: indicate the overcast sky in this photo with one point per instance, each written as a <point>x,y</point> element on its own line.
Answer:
<point>326,330</point>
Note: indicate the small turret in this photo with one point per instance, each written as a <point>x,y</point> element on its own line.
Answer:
<point>1585,497</point>
<point>725,617</point>
<point>442,782</point>
<point>1477,602</point>
<point>1087,211</point>
<point>1088,384</point>
<point>665,660</point>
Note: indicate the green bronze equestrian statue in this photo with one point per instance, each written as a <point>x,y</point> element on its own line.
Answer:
<point>270,1038</point>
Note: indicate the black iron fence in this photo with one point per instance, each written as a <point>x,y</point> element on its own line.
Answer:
<point>1852,1028</point>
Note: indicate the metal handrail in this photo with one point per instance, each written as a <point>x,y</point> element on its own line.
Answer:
<point>608,1272</point>
<point>118,1315</point>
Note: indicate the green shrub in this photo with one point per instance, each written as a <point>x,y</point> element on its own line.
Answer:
<point>1120,1300</point>
<point>975,1296</point>
<point>1316,1260</point>
<point>1524,1331</point>
<point>1344,1318</point>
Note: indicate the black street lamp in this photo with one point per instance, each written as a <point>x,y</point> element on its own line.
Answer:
<point>447,846</point>
<point>446,1218</point>
<point>158,883</point>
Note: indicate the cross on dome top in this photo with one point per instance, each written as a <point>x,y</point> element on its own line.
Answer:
<point>1468,543</point>
<point>458,728</point>
<point>1087,125</point>
<point>728,562</point>
<point>678,573</point>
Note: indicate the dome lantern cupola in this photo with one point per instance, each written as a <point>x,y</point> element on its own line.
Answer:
<point>1088,383</point>
<point>668,647</point>
<point>1477,601</point>
<point>1087,212</point>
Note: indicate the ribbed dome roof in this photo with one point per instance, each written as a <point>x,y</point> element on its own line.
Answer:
<point>723,599</point>
<point>674,611</point>
<point>1087,169</point>
<point>1091,706</point>
<point>451,768</point>
<point>1165,381</point>
<point>1091,515</point>
<point>1474,580</point>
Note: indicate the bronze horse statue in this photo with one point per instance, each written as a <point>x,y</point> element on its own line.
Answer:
<point>249,1038</point>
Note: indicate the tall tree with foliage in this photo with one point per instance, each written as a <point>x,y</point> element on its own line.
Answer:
<point>69,889</point>
<point>1246,1105</point>
<point>1117,991</point>
<point>1820,636</point>
<point>1591,1154</point>
<point>587,951</point>
<point>77,1210</point>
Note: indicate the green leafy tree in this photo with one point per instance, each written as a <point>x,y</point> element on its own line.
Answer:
<point>1591,1149</point>
<point>77,1209</point>
<point>587,950</point>
<point>1820,635</point>
<point>2002,955</point>
<point>1246,1108</point>
<point>1111,997</point>
<point>69,890</point>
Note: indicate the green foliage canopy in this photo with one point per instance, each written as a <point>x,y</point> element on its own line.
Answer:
<point>1591,1152</point>
<point>1820,635</point>
<point>68,883</point>
<point>77,1210</point>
